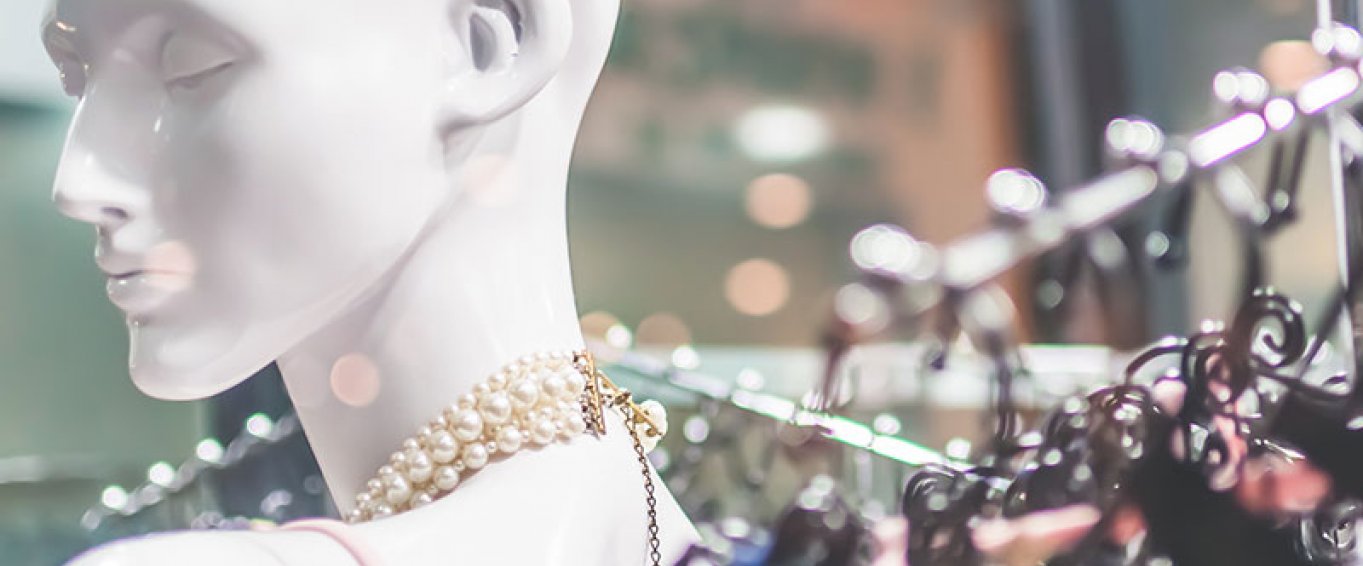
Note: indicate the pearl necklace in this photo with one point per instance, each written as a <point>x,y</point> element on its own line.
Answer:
<point>534,401</point>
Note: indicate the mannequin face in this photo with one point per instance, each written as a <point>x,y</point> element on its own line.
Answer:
<point>253,168</point>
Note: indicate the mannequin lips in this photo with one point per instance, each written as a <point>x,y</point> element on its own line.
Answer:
<point>139,292</point>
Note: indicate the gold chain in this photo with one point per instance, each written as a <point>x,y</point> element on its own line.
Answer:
<point>615,396</point>
<point>653,543</point>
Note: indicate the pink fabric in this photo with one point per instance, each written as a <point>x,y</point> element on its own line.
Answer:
<point>340,532</point>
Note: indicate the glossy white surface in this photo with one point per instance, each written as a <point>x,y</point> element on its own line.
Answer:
<point>373,194</point>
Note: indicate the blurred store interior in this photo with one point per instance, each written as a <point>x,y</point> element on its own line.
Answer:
<point>732,154</point>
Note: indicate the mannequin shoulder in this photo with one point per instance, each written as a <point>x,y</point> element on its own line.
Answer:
<point>218,548</point>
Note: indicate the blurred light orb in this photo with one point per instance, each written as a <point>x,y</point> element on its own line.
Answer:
<point>958,449</point>
<point>1240,87</point>
<point>606,336</point>
<point>750,379</point>
<point>259,425</point>
<point>858,305</point>
<point>1133,138</point>
<point>887,424</point>
<point>208,450</point>
<point>1015,192</point>
<point>114,497</point>
<point>1291,63</point>
<point>161,473</point>
<point>1279,113</point>
<point>885,247</point>
<point>757,287</point>
<point>662,329</point>
<point>778,200</point>
<point>355,380</point>
<point>685,357</point>
<point>781,133</point>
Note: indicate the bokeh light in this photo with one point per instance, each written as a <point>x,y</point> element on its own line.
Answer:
<point>781,133</point>
<point>606,336</point>
<point>355,380</point>
<point>757,287</point>
<point>778,200</point>
<point>1289,64</point>
<point>662,329</point>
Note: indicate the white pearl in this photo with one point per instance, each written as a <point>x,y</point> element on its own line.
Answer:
<point>424,432</point>
<point>657,413</point>
<point>363,499</point>
<point>468,425</point>
<point>475,456</point>
<point>576,383</point>
<point>481,389</point>
<point>421,499</point>
<point>574,424</point>
<point>398,491</point>
<point>466,401</point>
<point>439,423</point>
<point>553,386</point>
<point>374,486</point>
<point>411,444</point>
<point>355,516</point>
<point>509,439</point>
<point>446,478</point>
<point>497,382</point>
<point>543,432</point>
<point>397,459</point>
<point>385,471</point>
<point>524,394</point>
<point>419,466</point>
<point>381,511</point>
<point>495,408</point>
<point>444,447</point>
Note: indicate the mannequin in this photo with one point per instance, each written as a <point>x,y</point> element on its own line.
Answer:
<point>373,194</point>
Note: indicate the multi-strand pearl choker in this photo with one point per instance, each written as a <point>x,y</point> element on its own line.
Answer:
<point>534,402</point>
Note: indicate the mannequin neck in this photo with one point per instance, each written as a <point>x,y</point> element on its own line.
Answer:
<point>486,285</point>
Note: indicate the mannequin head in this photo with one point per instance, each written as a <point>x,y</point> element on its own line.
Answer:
<point>255,168</point>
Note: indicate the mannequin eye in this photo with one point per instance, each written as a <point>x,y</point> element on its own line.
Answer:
<point>186,62</point>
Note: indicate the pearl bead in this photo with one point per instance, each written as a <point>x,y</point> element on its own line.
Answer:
<point>355,516</point>
<point>397,459</point>
<point>421,499</point>
<point>444,447</point>
<point>657,413</point>
<point>411,444</point>
<point>398,491</point>
<point>381,511</point>
<point>446,478</point>
<point>509,439</point>
<point>374,486</point>
<point>363,499</point>
<point>385,471</point>
<point>576,383</point>
<point>574,424</point>
<point>481,389</point>
<point>439,423</point>
<point>543,432</point>
<point>468,426</point>
<point>475,456</point>
<point>553,386</point>
<point>419,466</point>
<point>424,432</point>
<point>495,408</point>
<point>524,394</point>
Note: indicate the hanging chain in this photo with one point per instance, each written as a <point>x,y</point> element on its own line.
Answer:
<point>602,393</point>
<point>653,543</point>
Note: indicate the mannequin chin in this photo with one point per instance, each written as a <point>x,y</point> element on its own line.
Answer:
<point>251,179</point>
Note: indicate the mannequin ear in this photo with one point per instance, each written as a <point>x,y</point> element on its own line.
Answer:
<point>510,49</point>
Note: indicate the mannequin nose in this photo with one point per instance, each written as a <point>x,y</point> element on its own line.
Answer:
<point>86,191</point>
